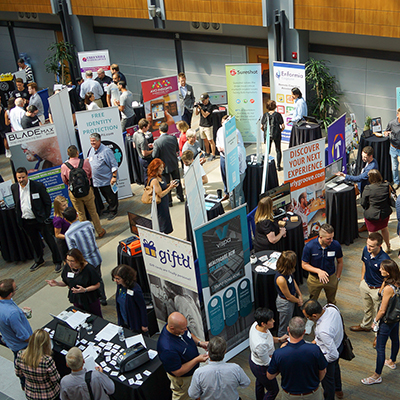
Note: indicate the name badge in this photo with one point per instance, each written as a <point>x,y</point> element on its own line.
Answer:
<point>91,159</point>
<point>189,92</point>
<point>331,254</point>
<point>35,196</point>
<point>70,275</point>
<point>130,292</point>
<point>189,335</point>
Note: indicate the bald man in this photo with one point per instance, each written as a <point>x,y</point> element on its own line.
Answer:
<point>177,349</point>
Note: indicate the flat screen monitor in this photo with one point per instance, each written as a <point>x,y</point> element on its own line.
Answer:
<point>280,196</point>
<point>65,335</point>
<point>135,220</point>
<point>218,98</point>
<point>331,169</point>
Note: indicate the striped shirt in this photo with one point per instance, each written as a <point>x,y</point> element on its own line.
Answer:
<point>80,235</point>
<point>42,382</point>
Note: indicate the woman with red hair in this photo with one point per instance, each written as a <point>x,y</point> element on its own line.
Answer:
<point>155,180</point>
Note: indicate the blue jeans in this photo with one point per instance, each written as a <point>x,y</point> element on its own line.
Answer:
<point>386,331</point>
<point>223,172</point>
<point>394,155</point>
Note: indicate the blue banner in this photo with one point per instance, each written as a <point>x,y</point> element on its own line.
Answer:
<point>231,154</point>
<point>337,141</point>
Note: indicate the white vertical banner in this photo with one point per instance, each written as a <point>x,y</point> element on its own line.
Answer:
<point>106,122</point>
<point>172,278</point>
<point>60,106</point>
<point>93,60</point>
<point>286,77</point>
<point>231,154</point>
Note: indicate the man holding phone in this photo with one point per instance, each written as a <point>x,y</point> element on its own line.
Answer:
<point>393,131</point>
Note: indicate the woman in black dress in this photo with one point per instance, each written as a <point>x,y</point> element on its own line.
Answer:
<point>268,234</point>
<point>83,282</point>
<point>155,179</point>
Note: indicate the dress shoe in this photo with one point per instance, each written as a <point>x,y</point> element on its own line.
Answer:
<point>181,199</point>
<point>112,216</point>
<point>363,228</point>
<point>358,328</point>
<point>171,204</point>
<point>226,197</point>
<point>102,233</point>
<point>396,186</point>
<point>339,394</point>
<point>279,168</point>
<point>103,302</point>
<point>58,268</point>
<point>374,344</point>
<point>36,266</point>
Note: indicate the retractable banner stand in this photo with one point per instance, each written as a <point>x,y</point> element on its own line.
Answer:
<point>231,154</point>
<point>106,122</point>
<point>226,278</point>
<point>161,99</point>
<point>93,60</point>
<point>286,77</point>
<point>61,113</point>
<point>170,270</point>
<point>304,168</point>
<point>337,141</point>
<point>397,98</point>
<point>245,102</point>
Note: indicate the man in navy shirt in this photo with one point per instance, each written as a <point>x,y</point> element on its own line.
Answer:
<point>371,280</point>
<point>302,365</point>
<point>319,260</point>
<point>177,349</point>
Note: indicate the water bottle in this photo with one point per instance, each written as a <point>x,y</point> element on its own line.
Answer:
<point>121,334</point>
<point>375,327</point>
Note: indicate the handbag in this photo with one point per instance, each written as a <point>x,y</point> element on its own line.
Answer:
<point>392,314</point>
<point>393,197</point>
<point>147,196</point>
<point>347,348</point>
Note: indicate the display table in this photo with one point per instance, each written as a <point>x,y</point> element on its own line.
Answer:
<point>253,181</point>
<point>341,213</point>
<point>14,244</point>
<point>381,146</point>
<point>155,386</point>
<point>305,133</point>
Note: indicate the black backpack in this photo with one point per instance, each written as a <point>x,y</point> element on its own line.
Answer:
<point>78,180</point>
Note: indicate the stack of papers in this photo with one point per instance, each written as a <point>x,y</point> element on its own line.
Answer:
<point>273,258</point>
<point>108,332</point>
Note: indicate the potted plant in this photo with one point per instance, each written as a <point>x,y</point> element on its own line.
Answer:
<point>367,123</point>
<point>57,63</point>
<point>324,86</point>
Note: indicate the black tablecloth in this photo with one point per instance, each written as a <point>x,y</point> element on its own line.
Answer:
<point>341,213</point>
<point>253,180</point>
<point>134,167</point>
<point>14,244</point>
<point>305,133</point>
<point>381,146</point>
<point>155,386</point>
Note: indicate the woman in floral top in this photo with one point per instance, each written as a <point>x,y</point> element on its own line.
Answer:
<point>35,364</point>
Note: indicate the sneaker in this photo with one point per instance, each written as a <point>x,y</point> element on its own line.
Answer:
<point>36,265</point>
<point>8,153</point>
<point>211,158</point>
<point>58,268</point>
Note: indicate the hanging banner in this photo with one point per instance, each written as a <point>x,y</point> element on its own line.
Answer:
<point>160,97</point>
<point>337,141</point>
<point>93,60</point>
<point>397,98</point>
<point>243,82</point>
<point>286,77</point>
<point>231,154</point>
<point>170,270</point>
<point>304,168</point>
<point>106,122</point>
<point>226,278</point>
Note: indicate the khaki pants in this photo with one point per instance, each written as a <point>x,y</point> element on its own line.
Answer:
<point>99,103</point>
<point>317,395</point>
<point>315,287</point>
<point>88,201</point>
<point>371,303</point>
<point>180,386</point>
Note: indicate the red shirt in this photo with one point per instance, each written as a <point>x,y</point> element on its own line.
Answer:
<point>75,162</point>
<point>182,141</point>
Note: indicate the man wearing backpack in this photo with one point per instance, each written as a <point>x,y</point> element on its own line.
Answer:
<point>80,192</point>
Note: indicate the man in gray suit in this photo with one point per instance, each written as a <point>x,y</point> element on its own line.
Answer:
<point>186,99</point>
<point>166,148</point>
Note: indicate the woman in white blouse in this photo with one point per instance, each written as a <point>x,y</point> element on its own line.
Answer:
<point>89,101</point>
<point>262,347</point>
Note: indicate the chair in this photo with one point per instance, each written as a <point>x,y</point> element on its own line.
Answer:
<point>251,226</point>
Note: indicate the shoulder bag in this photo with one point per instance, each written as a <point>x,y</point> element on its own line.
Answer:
<point>392,314</point>
<point>147,196</point>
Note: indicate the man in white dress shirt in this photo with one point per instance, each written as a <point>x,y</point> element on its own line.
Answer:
<point>328,337</point>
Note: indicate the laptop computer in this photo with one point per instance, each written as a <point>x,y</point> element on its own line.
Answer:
<point>65,336</point>
<point>331,179</point>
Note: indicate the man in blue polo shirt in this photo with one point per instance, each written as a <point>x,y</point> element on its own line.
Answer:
<point>177,349</point>
<point>302,365</point>
<point>319,260</point>
<point>371,280</point>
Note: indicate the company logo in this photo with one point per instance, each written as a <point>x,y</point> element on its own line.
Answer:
<point>278,73</point>
<point>84,59</point>
<point>232,72</point>
<point>160,84</point>
<point>251,101</point>
<point>222,232</point>
<point>337,146</point>
<point>173,258</point>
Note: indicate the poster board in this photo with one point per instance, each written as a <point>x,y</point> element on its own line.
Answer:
<point>286,77</point>
<point>231,154</point>
<point>170,270</point>
<point>304,168</point>
<point>337,141</point>
<point>244,86</point>
<point>93,60</point>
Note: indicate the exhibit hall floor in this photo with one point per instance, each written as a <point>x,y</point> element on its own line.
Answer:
<point>33,292</point>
